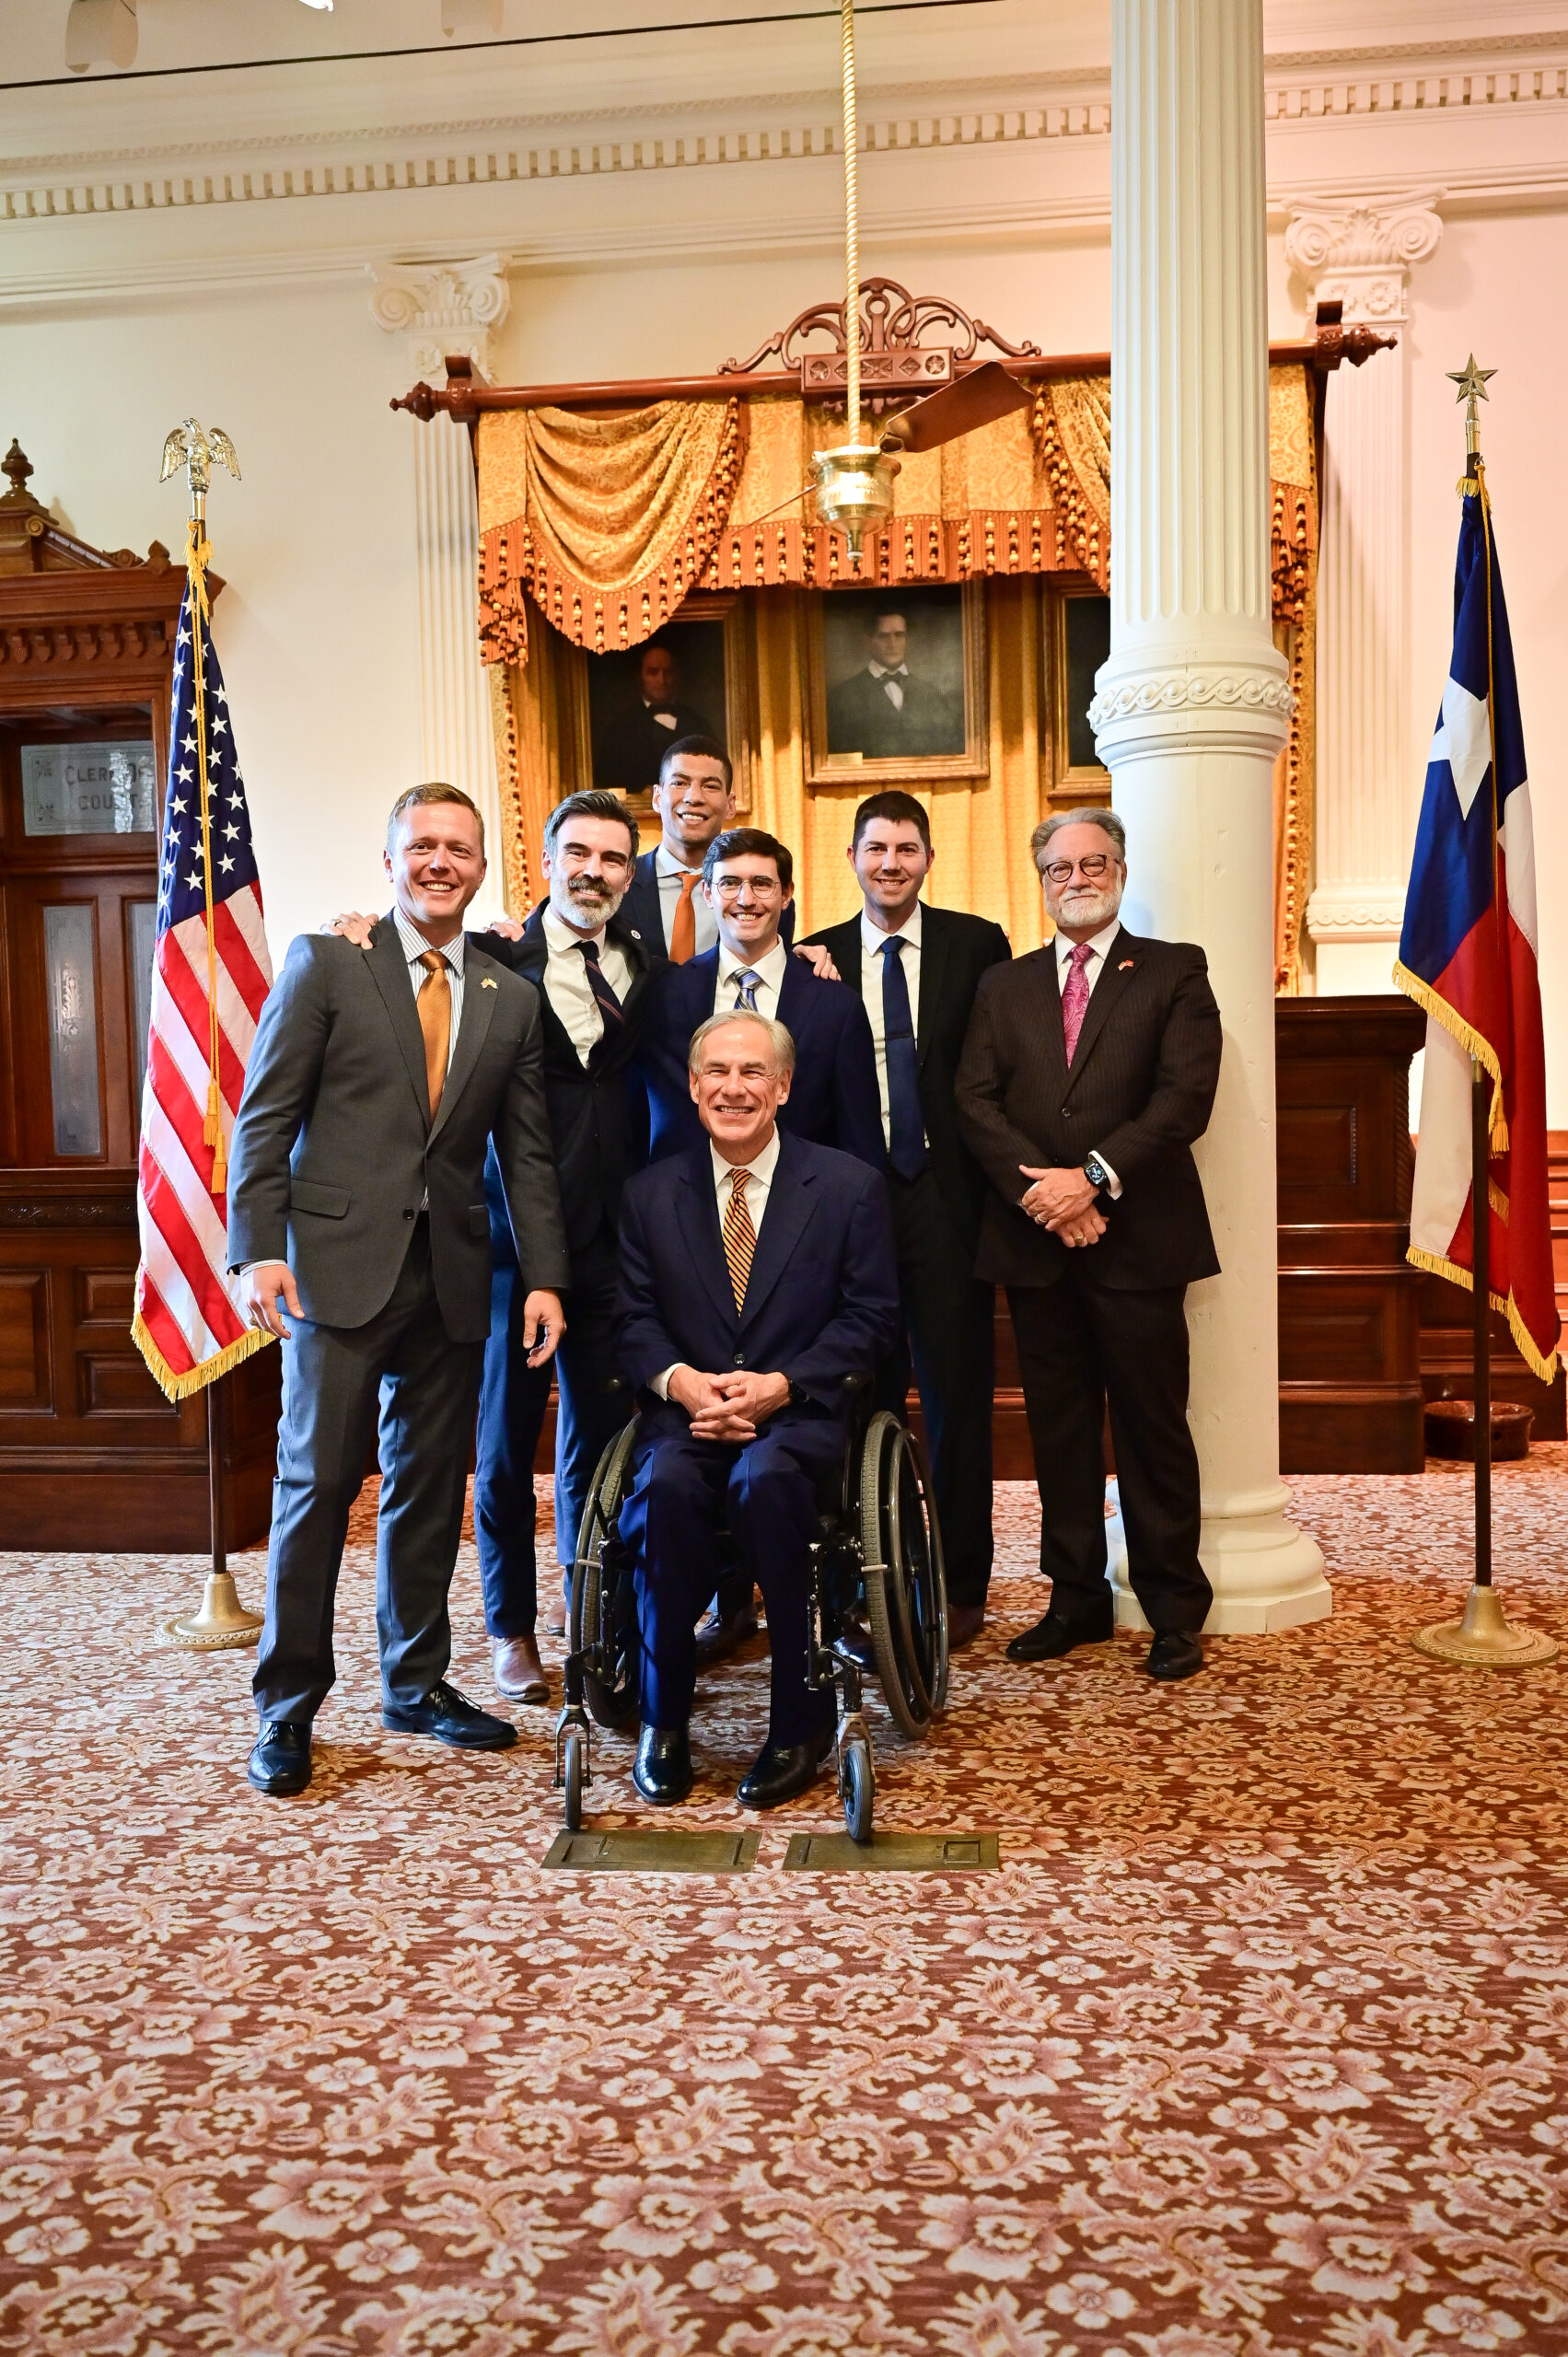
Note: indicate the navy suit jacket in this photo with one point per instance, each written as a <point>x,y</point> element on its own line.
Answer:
<point>642,915</point>
<point>822,1299</point>
<point>833,1098</point>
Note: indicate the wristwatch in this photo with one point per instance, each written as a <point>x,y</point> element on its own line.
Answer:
<point>1096,1172</point>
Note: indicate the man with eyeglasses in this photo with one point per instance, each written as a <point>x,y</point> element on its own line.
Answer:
<point>1088,1071</point>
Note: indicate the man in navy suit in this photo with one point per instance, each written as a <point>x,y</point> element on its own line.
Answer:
<point>757,1274</point>
<point>694,801</point>
<point>747,884</point>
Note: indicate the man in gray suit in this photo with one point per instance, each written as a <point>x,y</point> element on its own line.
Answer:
<point>356,1206</point>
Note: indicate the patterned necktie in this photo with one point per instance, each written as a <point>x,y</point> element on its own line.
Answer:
<point>608,1005</point>
<point>739,1237</point>
<point>1076,997</point>
<point>683,930</point>
<point>746,990</point>
<point>434,1006</point>
<point>906,1125</point>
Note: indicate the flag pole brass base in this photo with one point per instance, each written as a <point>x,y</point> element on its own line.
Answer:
<point>1484,1639</point>
<point>221,1622</point>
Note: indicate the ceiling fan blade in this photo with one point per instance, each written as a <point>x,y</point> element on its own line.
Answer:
<point>976,399</point>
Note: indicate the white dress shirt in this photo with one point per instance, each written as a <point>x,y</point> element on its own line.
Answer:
<point>892,682</point>
<point>770,972</point>
<point>414,947</point>
<point>668,872</point>
<point>1094,966</point>
<point>566,984</point>
<point>761,1180</point>
<point>872,966</point>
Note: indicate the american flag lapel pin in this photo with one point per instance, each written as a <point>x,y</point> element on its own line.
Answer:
<point>488,983</point>
<point>1125,966</point>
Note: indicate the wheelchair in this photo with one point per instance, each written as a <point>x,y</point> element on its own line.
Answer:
<point>877,1552</point>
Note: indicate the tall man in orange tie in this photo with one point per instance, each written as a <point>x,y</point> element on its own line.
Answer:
<point>358,1228</point>
<point>694,802</point>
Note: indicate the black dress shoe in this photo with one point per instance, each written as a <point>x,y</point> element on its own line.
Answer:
<point>662,1769</point>
<point>1174,1655</point>
<point>450,1717</point>
<point>281,1759</point>
<point>724,1634</point>
<point>965,1623</point>
<point>1056,1635</point>
<point>782,1770</point>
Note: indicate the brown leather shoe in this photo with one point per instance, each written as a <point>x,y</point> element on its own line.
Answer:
<point>519,1672</point>
<point>555,1614</point>
<point>965,1623</point>
<point>716,1639</point>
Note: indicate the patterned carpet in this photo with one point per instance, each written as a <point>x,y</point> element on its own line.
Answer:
<point>1257,2046</point>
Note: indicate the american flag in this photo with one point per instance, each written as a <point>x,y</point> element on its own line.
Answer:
<point>206,997</point>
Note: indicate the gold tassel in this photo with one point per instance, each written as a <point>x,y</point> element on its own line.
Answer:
<point>212,1127</point>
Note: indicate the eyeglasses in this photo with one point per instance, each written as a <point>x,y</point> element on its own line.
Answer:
<point>1060,871</point>
<point>762,888</point>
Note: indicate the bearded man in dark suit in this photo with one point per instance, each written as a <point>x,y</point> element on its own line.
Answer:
<point>1089,1070</point>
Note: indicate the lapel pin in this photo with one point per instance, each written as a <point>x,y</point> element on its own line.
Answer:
<point>488,983</point>
<point>1125,966</point>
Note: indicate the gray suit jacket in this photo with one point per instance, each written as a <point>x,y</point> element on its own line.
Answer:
<point>334,1146</point>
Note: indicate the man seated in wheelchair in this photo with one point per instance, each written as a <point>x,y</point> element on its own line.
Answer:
<point>757,1274</point>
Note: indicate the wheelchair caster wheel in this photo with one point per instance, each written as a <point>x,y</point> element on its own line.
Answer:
<point>572,1777</point>
<point>857,1788</point>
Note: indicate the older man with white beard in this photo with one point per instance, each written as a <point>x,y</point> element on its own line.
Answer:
<point>1088,1070</point>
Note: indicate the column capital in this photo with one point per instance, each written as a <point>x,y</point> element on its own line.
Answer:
<point>1145,706</point>
<point>441,308</point>
<point>1360,251</point>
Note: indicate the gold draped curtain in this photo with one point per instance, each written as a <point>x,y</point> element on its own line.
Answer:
<point>605,525</point>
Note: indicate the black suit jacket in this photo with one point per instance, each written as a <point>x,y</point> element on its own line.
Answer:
<point>956,949</point>
<point>833,1099</point>
<point>597,1121</point>
<point>1139,1090</point>
<point>642,912</point>
<point>822,1298</point>
<point>863,718</point>
<point>627,758</point>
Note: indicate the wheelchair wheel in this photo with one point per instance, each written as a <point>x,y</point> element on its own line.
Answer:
<point>857,1787</point>
<point>572,1777</point>
<point>883,1458</point>
<point>601,1621</point>
<point>921,1591</point>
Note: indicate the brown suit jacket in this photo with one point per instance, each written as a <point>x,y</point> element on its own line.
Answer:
<point>1139,1090</point>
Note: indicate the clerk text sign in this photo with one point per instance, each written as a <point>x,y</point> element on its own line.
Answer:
<point>103,789</point>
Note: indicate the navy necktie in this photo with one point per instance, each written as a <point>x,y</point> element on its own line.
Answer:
<point>906,1126</point>
<point>609,1006</point>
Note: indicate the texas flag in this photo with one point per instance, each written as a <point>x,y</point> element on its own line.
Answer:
<point>1468,953</point>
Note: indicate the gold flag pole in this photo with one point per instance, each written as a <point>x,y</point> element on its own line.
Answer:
<point>1484,1638</point>
<point>222,1621</point>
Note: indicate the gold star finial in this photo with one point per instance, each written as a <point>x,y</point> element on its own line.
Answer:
<point>1471,381</point>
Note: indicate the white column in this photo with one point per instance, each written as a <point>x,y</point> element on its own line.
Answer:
<point>1368,785</point>
<point>1193,704</point>
<point>451,309</point>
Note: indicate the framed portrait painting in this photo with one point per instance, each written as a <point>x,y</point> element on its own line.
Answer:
<point>1077,640</point>
<point>689,680</point>
<point>896,684</point>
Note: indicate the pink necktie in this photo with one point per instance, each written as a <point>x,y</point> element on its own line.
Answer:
<point>1075,997</point>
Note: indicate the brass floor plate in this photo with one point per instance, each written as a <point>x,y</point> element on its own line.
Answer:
<point>646,1851</point>
<point>939,1853</point>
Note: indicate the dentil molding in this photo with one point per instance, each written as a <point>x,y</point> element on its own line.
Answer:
<point>1361,252</point>
<point>450,307</point>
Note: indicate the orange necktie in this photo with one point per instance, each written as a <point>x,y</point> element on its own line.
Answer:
<point>739,1237</point>
<point>683,932</point>
<point>434,1004</point>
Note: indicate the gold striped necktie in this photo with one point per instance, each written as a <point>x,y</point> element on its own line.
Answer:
<point>434,1006</point>
<point>739,1237</point>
